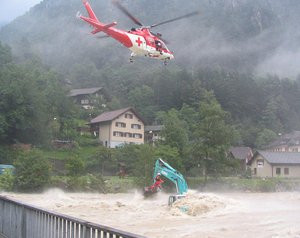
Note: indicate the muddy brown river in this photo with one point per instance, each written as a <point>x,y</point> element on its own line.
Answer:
<point>199,215</point>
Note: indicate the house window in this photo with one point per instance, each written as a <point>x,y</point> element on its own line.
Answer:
<point>118,133</point>
<point>136,126</point>
<point>120,124</point>
<point>84,101</point>
<point>278,171</point>
<point>286,171</point>
<point>260,163</point>
<point>137,135</point>
<point>254,171</point>
<point>128,134</point>
<point>128,115</point>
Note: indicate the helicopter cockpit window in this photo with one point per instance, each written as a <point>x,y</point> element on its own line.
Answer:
<point>163,45</point>
<point>159,44</point>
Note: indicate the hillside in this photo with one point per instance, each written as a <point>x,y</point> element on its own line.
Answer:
<point>237,35</point>
<point>242,50</point>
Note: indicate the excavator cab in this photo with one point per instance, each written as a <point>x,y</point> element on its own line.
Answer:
<point>173,198</point>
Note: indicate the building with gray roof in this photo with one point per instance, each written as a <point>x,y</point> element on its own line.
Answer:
<point>275,164</point>
<point>86,97</point>
<point>285,143</point>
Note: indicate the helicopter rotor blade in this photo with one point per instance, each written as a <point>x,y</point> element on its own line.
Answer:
<point>126,12</point>
<point>176,19</point>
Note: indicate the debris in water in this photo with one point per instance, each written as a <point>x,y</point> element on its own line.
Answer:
<point>194,205</point>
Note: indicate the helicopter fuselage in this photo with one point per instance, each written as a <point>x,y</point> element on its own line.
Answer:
<point>146,44</point>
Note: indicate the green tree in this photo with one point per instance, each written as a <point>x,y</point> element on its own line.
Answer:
<point>174,132</point>
<point>31,96</point>
<point>212,136</point>
<point>170,155</point>
<point>265,137</point>
<point>142,99</point>
<point>126,154</point>
<point>269,117</point>
<point>5,55</point>
<point>7,181</point>
<point>75,166</point>
<point>144,164</point>
<point>101,161</point>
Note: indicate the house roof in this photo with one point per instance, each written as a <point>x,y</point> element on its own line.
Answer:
<point>84,91</point>
<point>241,153</point>
<point>280,157</point>
<point>111,115</point>
<point>292,138</point>
<point>154,128</point>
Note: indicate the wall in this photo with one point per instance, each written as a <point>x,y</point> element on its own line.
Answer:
<point>294,171</point>
<point>104,134</point>
<point>263,170</point>
<point>268,170</point>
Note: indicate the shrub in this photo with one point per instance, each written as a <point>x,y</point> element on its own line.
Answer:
<point>88,182</point>
<point>6,181</point>
<point>32,171</point>
<point>75,166</point>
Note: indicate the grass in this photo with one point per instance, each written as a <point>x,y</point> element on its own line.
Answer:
<point>62,154</point>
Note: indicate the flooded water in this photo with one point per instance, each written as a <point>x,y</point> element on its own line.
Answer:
<point>199,215</point>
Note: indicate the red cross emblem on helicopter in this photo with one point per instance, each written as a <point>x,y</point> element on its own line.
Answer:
<point>139,42</point>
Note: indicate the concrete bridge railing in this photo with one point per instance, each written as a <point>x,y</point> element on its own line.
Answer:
<point>20,220</point>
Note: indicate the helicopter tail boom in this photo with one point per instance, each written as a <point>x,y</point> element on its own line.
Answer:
<point>90,11</point>
<point>98,26</point>
<point>93,20</point>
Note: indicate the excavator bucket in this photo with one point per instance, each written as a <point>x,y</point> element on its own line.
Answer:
<point>148,192</point>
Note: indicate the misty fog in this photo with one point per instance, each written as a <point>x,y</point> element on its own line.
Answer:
<point>238,35</point>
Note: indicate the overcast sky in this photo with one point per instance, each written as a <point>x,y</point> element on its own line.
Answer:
<point>10,9</point>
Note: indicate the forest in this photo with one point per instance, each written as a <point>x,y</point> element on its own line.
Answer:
<point>32,94</point>
<point>221,92</point>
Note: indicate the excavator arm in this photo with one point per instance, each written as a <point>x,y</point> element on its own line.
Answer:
<point>172,174</point>
<point>163,168</point>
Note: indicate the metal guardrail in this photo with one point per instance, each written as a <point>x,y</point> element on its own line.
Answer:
<point>21,220</point>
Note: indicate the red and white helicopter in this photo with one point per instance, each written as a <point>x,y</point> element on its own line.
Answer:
<point>141,41</point>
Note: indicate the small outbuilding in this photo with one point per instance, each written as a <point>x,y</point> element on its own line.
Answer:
<point>241,153</point>
<point>86,97</point>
